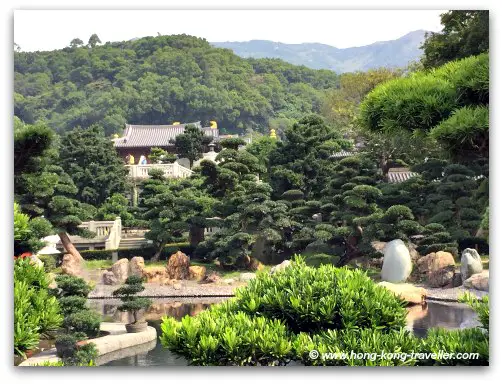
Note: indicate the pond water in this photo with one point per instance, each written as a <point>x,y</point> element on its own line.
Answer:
<point>419,320</point>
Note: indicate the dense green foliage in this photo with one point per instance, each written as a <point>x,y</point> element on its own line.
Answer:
<point>465,33</point>
<point>93,164</point>
<point>284,317</point>
<point>158,80</point>
<point>35,311</point>
<point>449,103</point>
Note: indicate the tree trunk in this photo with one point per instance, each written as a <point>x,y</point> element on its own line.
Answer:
<point>157,253</point>
<point>196,235</point>
<point>67,244</point>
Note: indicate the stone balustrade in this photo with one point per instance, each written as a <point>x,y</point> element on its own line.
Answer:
<point>174,170</point>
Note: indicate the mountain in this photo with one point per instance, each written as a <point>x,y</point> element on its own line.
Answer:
<point>393,53</point>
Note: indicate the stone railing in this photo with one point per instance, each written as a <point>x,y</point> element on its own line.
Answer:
<point>174,170</point>
<point>107,231</point>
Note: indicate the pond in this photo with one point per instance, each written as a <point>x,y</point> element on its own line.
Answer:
<point>420,319</point>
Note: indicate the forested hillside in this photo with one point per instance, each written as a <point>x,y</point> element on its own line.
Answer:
<point>159,80</point>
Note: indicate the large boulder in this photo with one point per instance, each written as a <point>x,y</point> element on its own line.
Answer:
<point>120,270</point>
<point>108,278</point>
<point>72,265</point>
<point>280,267</point>
<point>439,268</point>
<point>178,266</point>
<point>211,278</point>
<point>407,292</point>
<point>397,265</point>
<point>136,266</point>
<point>471,263</point>
<point>154,274</point>
<point>479,281</point>
<point>435,261</point>
<point>197,272</point>
<point>441,277</point>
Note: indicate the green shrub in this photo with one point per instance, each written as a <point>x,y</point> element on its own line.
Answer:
<point>308,299</point>
<point>358,341</point>
<point>320,259</point>
<point>35,312</point>
<point>66,345</point>
<point>50,262</point>
<point>282,317</point>
<point>221,337</point>
<point>85,321</point>
<point>72,304</point>
<point>71,286</point>
<point>84,355</point>
<point>470,340</point>
<point>26,321</point>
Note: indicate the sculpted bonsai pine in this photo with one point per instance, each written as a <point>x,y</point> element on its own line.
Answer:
<point>132,303</point>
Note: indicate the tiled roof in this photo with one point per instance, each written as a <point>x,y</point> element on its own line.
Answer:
<point>399,175</point>
<point>155,135</point>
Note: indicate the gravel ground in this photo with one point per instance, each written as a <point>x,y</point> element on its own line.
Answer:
<point>102,291</point>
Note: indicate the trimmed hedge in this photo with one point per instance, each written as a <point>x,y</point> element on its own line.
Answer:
<point>146,252</point>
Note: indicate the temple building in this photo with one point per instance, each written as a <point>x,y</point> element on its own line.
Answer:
<point>137,140</point>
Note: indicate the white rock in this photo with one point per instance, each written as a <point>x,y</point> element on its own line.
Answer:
<point>397,264</point>
<point>280,267</point>
<point>471,263</point>
<point>247,276</point>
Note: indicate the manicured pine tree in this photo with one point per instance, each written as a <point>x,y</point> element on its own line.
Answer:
<point>94,165</point>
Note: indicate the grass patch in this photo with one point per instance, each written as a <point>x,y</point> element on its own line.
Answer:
<point>98,264</point>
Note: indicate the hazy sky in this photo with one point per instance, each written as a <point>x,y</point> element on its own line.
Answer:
<point>52,29</point>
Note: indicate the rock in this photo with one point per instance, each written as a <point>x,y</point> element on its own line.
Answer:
<point>379,246</point>
<point>408,292</point>
<point>177,286</point>
<point>441,277</point>
<point>154,274</point>
<point>211,278</point>
<point>414,255</point>
<point>247,276</point>
<point>121,270</point>
<point>36,261</point>
<point>280,267</point>
<point>197,272</point>
<point>457,280</point>
<point>136,266</point>
<point>72,265</point>
<point>435,261</point>
<point>471,263</point>
<point>229,281</point>
<point>108,278</point>
<point>439,268</point>
<point>178,266</point>
<point>479,281</point>
<point>397,264</point>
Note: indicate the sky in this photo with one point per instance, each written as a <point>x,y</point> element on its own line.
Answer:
<point>41,30</point>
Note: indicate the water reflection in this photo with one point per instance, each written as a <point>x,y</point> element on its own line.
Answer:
<point>441,315</point>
